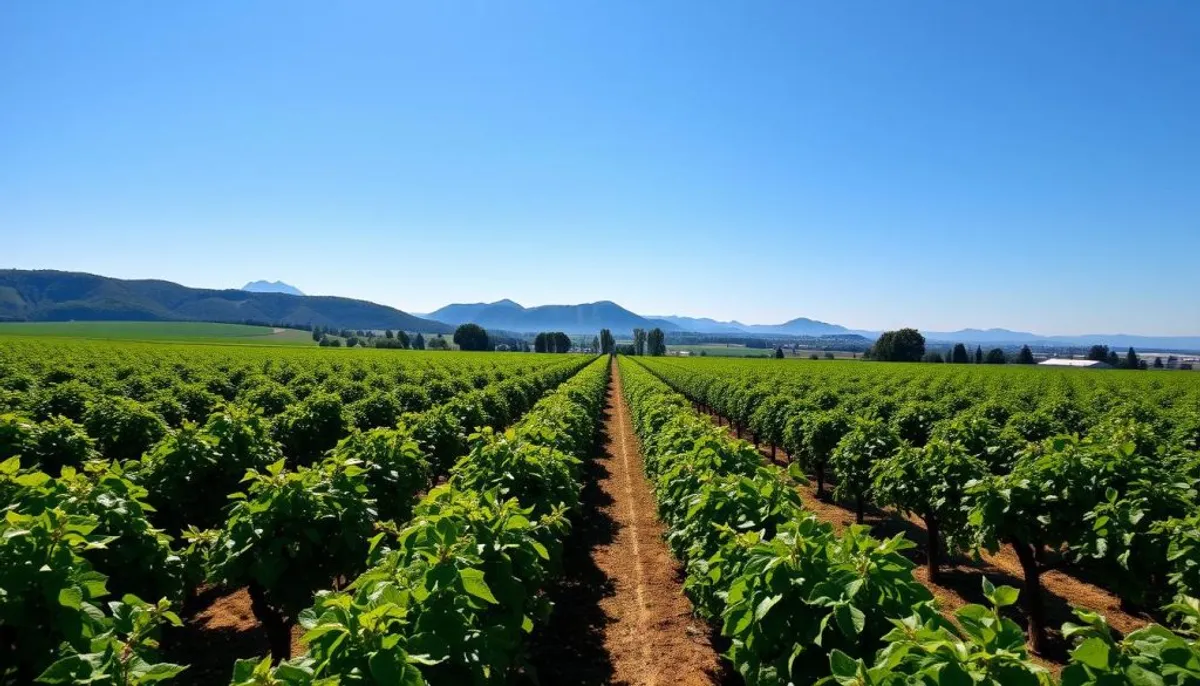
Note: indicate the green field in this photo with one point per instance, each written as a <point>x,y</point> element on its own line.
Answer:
<point>172,332</point>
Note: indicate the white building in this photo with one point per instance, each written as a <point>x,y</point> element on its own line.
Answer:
<point>1081,364</point>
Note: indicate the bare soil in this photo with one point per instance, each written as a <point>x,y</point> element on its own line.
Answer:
<point>220,630</point>
<point>961,576</point>
<point>620,614</point>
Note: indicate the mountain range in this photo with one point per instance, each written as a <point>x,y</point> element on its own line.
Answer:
<point>573,319</point>
<point>271,287</point>
<point>47,295</point>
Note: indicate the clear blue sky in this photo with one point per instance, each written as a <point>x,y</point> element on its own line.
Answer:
<point>1030,165</point>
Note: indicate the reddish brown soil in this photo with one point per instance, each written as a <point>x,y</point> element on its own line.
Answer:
<point>961,581</point>
<point>221,631</point>
<point>621,616</point>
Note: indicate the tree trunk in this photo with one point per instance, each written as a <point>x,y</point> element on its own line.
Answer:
<point>820,469</point>
<point>278,636</point>
<point>858,509</point>
<point>737,429</point>
<point>1034,603</point>
<point>933,548</point>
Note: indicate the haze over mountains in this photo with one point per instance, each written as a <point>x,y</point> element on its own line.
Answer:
<point>47,295</point>
<point>271,287</point>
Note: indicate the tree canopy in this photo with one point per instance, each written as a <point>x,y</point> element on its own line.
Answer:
<point>905,345</point>
<point>471,337</point>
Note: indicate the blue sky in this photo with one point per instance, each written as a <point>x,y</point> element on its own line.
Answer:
<point>1027,165</point>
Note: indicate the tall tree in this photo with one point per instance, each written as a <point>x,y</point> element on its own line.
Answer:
<point>1131,359</point>
<point>387,333</point>
<point>1158,363</point>
<point>639,341</point>
<point>779,353</point>
<point>419,342</point>
<point>595,344</point>
<point>656,343</point>
<point>1098,353</point>
<point>978,354</point>
<point>539,343</point>
<point>1114,360</point>
<point>404,340</point>
<point>996,356</point>
<point>1025,356</point>
<point>471,337</point>
<point>904,345</point>
<point>562,342</point>
<point>607,342</point>
<point>960,354</point>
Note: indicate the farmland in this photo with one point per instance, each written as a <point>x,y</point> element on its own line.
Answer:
<point>172,332</point>
<point>294,515</point>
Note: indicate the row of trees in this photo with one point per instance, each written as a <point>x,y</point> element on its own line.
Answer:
<point>552,342</point>
<point>652,343</point>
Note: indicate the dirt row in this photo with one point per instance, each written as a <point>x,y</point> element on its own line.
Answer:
<point>961,576</point>
<point>620,614</point>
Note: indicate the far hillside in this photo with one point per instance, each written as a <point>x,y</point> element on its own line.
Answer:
<point>172,332</point>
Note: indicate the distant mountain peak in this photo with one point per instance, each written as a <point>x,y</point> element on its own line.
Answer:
<point>508,303</point>
<point>271,287</point>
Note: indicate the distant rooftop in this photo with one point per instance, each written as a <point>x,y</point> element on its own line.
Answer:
<point>1065,362</point>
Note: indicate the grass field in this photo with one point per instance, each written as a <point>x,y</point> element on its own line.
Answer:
<point>173,332</point>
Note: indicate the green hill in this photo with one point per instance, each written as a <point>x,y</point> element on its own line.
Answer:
<point>55,296</point>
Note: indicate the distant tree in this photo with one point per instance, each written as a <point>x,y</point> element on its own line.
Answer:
<point>335,343</point>
<point>1098,353</point>
<point>933,356</point>
<point>1131,359</point>
<point>324,343</point>
<point>419,342</point>
<point>607,342</point>
<point>539,343</point>
<point>1114,360</point>
<point>960,355</point>
<point>403,338</point>
<point>656,343</point>
<point>639,341</point>
<point>626,349</point>
<point>1158,363</point>
<point>439,343</point>
<point>1143,365</point>
<point>1025,356</point>
<point>316,334</point>
<point>996,356</point>
<point>828,355</point>
<point>387,333</point>
<point>351,341</point>
<point>471,337</point>
<point>595,344</point>
<point>779,353</point>
<point>978,354</point>
<point>814,356</point>
<point>904,345</point>
<point>561,342</point>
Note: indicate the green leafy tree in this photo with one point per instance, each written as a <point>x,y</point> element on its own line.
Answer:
<point>778,353</point>
<point>978,354</point>
<point>656,343</point>
<point>996,356</point>
<point>930,483</point>
<point>1131,359</point>
<point>1098,353</point>
<point>639,341</point>
<point>419,342</point>
<point>822,433</point>
<point>1025,356</point>
<point>608,344</point>
<point>471,337</point>
<point>904,345</point>
<point>960,355</point>
<point>868,441</point>
<point>290,534</point>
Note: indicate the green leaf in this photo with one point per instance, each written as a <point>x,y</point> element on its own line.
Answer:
<point>1005,596</point>
<point>850,619</point>
<point>70,597</point>
<point>474,584</point>
<point>1093,652</point>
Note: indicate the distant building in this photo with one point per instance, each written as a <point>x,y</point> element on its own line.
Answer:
<point>1081,364</point>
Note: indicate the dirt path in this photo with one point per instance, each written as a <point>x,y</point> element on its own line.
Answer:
<point>961,576</point>
<point>620,613</point>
